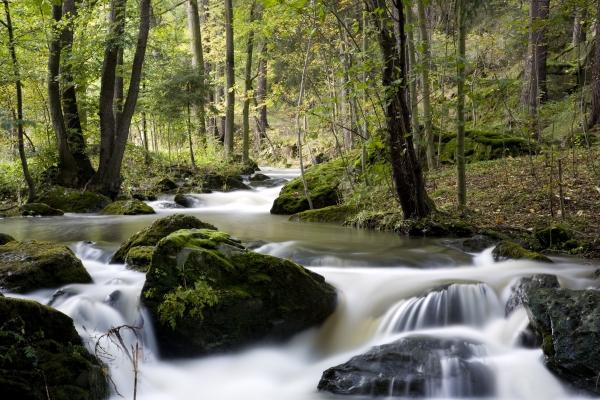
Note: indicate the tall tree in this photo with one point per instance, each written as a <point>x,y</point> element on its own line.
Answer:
<point>425,65</point>
<point>248,87</point>
<point>198,66</point>
<point>594,118</point>
<point>19,95</point>
<point>261,94</point>
<point>406,170</point>
<point>412,63</point>
<point>229,80</point>
<point>114,128</point>
<point>460,103</point>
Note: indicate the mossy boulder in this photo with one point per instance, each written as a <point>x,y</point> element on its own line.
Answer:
<point>567,323</point>
<point>511,250</point>
<point>207,294</point>
<point>5,238</point>
<point>165,185</point>
<point>249,167</point>
<point>333,214</point>
<point>69,200</point>
<point>485,145</point>
<point>225,183</point>
<point>186,200</point>
<point>30,265</point>
<point>323,183</point>
<point>160,228</point>
<point>554,236</point>
<point>139,258</point>
<point>39,209</point>
<point>42,357</point>
<point>258,177</point>
<point>128,207</point>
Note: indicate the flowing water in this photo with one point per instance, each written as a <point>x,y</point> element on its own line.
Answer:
<point>388,286</point>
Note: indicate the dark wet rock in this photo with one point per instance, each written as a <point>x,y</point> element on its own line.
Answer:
<point>258,177</point>
<point>412,367</point>
<point>42,356</point>
<point>70,200</point>
<point>519,291</point>
<point>474,244</point>
<point>255,244</point>
<point>554,236</point>
<point>511,250</point>
<point>249,167</point>
<point>323,182</point>
<point>39,209</point>
<point>213,181</point>
<point>269,183</point>
<point>186,200</point>
<point>5,238</point>
<point>567,323</point>
<point>59,294</point>
<point>160,228</point>
<point>30,265</point>
<point>128,207</point>
<point>207,293</point>
<point>144,195</point>
<point>139,258</point>
<point>165,185</point>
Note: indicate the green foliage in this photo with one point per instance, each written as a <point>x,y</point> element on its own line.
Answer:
<point>182,301</point>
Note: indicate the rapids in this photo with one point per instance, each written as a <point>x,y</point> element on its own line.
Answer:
<point>384,284</point>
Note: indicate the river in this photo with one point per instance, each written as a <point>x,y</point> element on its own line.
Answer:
<point>376,274</point>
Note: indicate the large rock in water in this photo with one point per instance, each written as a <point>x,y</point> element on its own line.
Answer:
<point>207,294</point>
<point>159,229</point>
<point>42,357</point>
<point>5,238</point>
<point>39,209</point>
<point>519,292</point>
<point>128,207</point>
<point>323,181</point>
<point>69,200</point>
<point>30,265</point>
<point>511,250</point>
<point>568,324</point>
<point>413,367</point>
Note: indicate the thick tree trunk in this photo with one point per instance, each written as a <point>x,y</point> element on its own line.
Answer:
<point>114,134</point>
<point>425,64</point>
<point>198,66</point>
<point>460,104</point>
<point>248,88</point>
<point>19,93</point>
<point>595,112</point>
<point>406,170</point>
<point>230,80</point>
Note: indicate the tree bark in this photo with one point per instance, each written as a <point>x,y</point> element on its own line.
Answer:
<point>114,133</point>
<point>261,93</point>
<point>579,26</point>
<point>406,170</point>
<point>19,93</point>
<point>425,64</point>
<point>199,107</point>
<point>230,80</point>
<point>248,88</point>
<point>412,92</point>
<point>460,104</point>
<point>595,112</point>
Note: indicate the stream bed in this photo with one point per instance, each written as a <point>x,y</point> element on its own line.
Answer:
<point>380,278</point>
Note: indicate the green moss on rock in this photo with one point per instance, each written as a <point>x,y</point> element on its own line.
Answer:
<point>39,209</point>
<point>42,357</point>
<point>5,238</point>
<point>208,293</point>
<point>333,214</point>
<point>555,236</point>
<point>30,265</point>
<point>159,229</point>
<point>139,258</point>
<point>69,200</point>
<point>511,250</point>
<point>323,182</point>
<point>128,207</point>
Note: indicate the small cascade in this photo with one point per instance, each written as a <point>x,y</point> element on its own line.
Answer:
<point>87,250</point>
<point>464,304</point>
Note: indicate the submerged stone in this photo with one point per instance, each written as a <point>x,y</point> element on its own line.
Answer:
<point>207,293</point>
<point>128,207</point>
<point>414,366</point>
<point>30,265</point>
<point>42,356</point>
<point>160,228</point>
<point>39,209</point>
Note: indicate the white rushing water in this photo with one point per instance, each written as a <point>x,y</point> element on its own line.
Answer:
<point>377,304</point>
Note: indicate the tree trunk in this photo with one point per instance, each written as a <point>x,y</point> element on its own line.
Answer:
<point>248,88</point>
<point>261,93</point>
<point>406,170</point>
<point>230,80</point>
<point>114,133</point>
<point>425,64</point>
<point>595,112</point>
<point>198,66</point>
<point>460,104</point>
<point>579,27</point>
<point>19,93</point>
<point>412,62</point>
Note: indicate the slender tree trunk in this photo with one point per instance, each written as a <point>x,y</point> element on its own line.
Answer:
<point>198,66</point>
<point>261,93</point>
<point>425,65</point>
<point>230,80</point>
<point>595,112</point>
<point>189,134</point>
<point>406,170</point>
<point>579,27</point>
<point>412,61</point>
<point>460,103</point>
<point>19,93</point>
<point>248,88</point>
<point>108,178</point>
